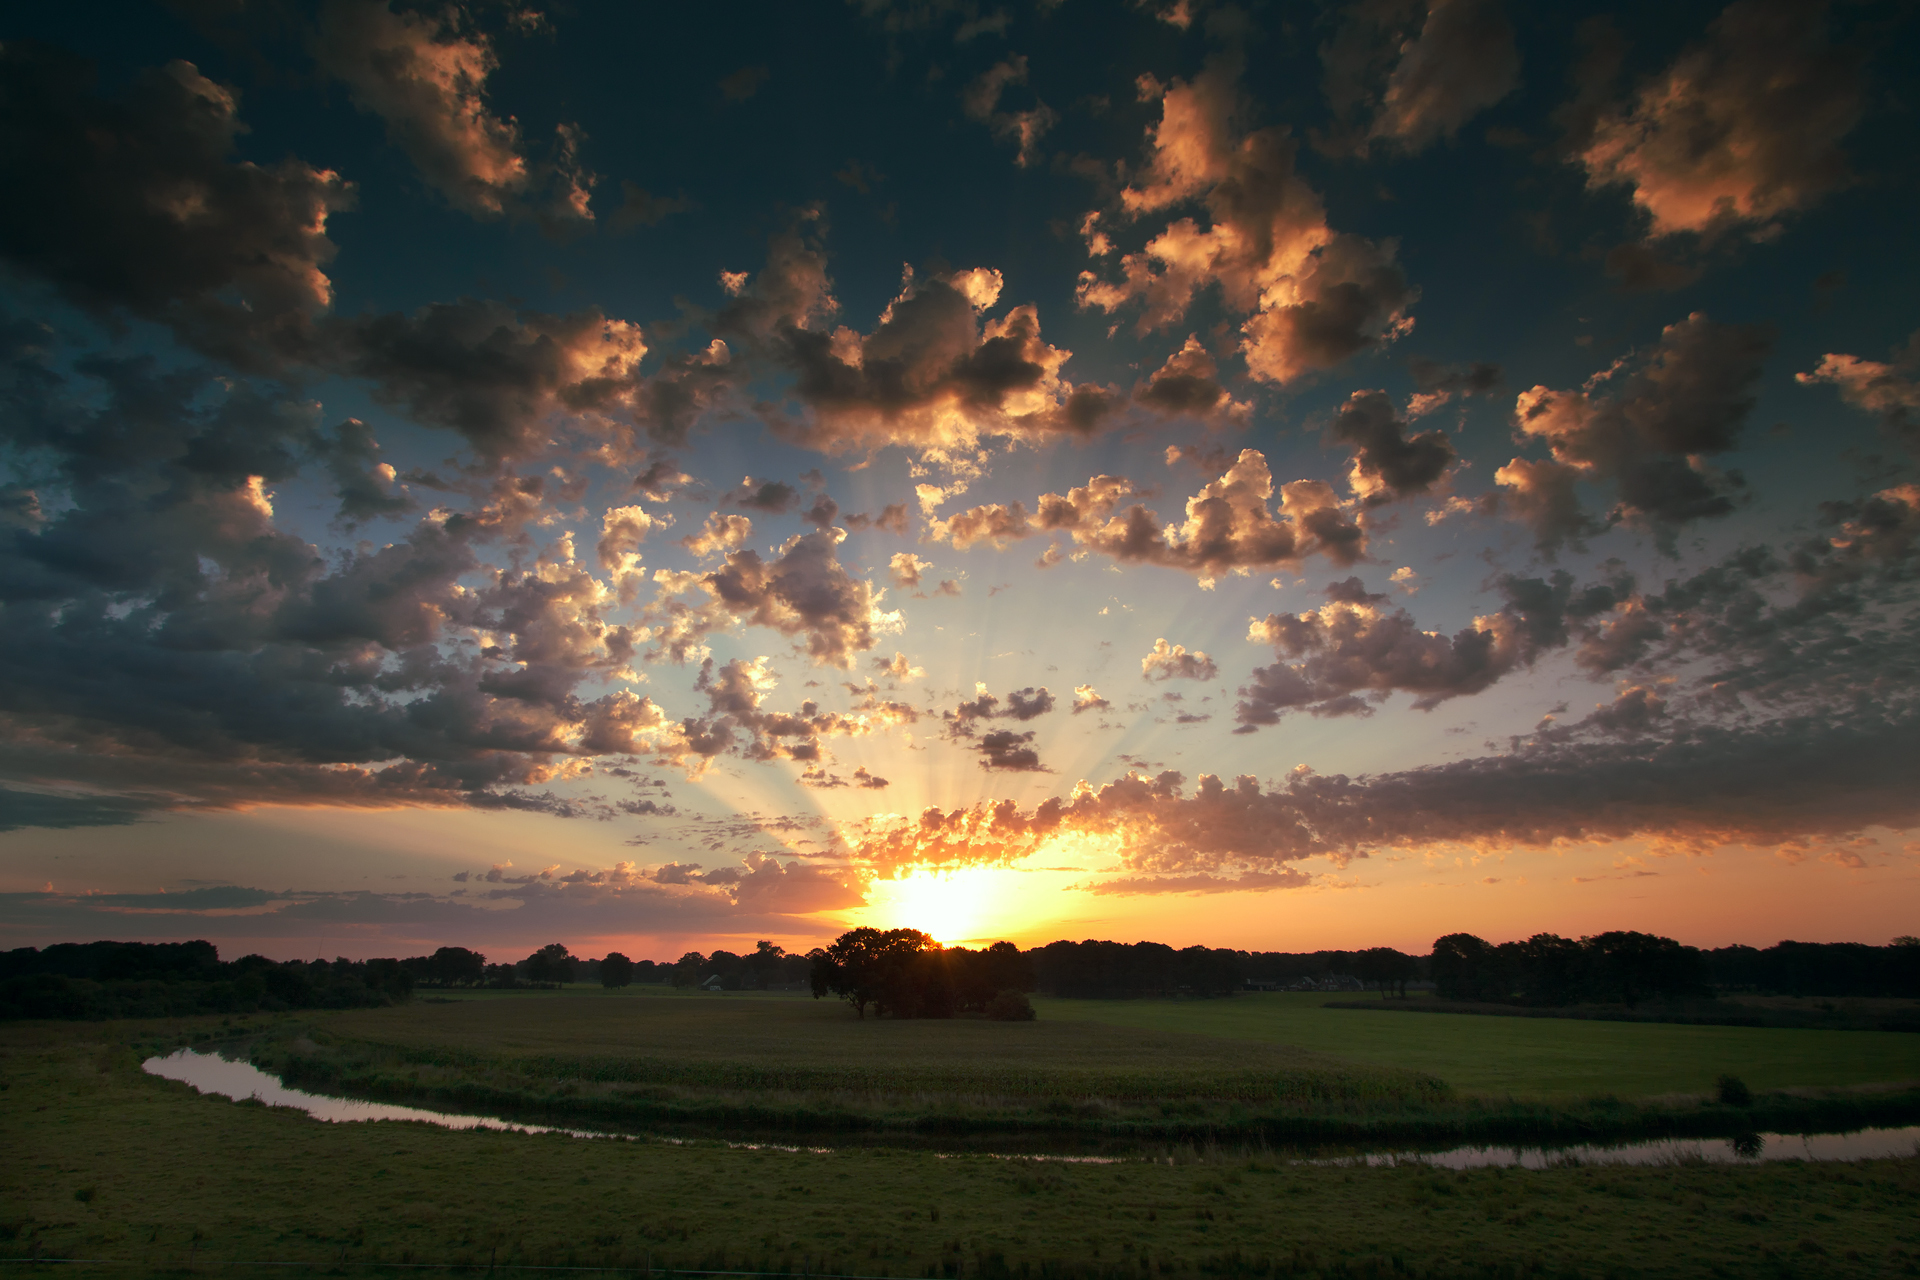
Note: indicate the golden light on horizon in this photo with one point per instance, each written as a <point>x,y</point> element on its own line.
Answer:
<point>969,905</point>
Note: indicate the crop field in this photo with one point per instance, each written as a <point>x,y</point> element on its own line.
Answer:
<point>106,1163</point>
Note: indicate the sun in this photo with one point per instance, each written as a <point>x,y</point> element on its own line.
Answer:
<point>953,906</point>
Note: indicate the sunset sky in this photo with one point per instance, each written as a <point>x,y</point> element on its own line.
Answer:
<point>1260,475</point>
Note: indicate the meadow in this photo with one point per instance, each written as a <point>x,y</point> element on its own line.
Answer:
<point>1091,1076</point>
<point>148,1177</point>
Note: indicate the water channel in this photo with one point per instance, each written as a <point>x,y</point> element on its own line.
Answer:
<point>211,1073</point>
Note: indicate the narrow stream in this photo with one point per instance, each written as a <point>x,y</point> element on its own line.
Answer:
<point>211,1073</point>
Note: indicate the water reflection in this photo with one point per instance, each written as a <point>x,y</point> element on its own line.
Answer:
<point>210,1073</point>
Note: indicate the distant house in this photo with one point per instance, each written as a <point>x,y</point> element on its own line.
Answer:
<point>1329,982</point>
<point>713,984</point>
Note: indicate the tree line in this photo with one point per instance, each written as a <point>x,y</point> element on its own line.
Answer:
<point>921,979</point>
<point>95,980</point>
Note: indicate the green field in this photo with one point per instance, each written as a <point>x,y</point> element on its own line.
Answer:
<point>1090,1076</point>
<point>1527,1057</point>
<point>104,1162</point>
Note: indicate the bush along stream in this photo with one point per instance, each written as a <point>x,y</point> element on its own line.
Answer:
<point>1369,1108</point>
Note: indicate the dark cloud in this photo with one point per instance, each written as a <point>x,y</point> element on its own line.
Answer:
<point>1420,70</point>
<point>427,79</point>
<point>1387,463</point>
<point>1647,430</point>
<point>1743,129</point>
<point>135,204</point>
<point>1006,750</point>
<point>1023,128</point>
<point>497,376</point>
<point>1342,658</point>
<point>804,592</point>
<point>1021,704</point>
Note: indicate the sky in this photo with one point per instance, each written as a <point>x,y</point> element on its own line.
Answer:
<point>1259,475</point>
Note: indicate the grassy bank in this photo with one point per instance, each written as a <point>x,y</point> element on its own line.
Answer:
<point>169,1176</point>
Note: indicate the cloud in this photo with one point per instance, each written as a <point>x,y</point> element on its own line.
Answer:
<point>1229,526</point>
<point>906,569</point>
<point>137,205</point>
<point>427,81</point>
<point>1682,402</point>
<point>1245,882</point>
<point>1187,386</point>
<point>1022,704</point>
<point>1025,128</point>
<point>737,722</point>
<point>771,496</point>
<point>1165,662</point>
<point>501,378</point>
<point>1889,391</point>
<point>1354,651</point>
<point>1006,750</point>
<point>1087,698</point>
<point>719,533</point>
<point>1420,82</point>
<point>804,592</point>
<point>1741,130</point>
<point>1387,463</point>
<point>1438,384</point>
<point>935,375</point>
<point>1312,296</point>
<point>899,668</point>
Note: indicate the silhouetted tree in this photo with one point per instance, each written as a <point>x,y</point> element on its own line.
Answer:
<point>867,966</point>
<point>615,970</point>
<point>551,963</point>
<point>457,967</point>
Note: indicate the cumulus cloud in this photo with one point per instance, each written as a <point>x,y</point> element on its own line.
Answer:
<point>1009,751</point>
<point>720,532</point>
<point>1889,391</point>
<point>1354,651</point>
<point>501,378</point>
<point>137,205</point>
<point>1421,70</point>
<point>1229,527</point>
<point>1743,129</point>
<point>1387,462</point>
<point>1021,704</point>
<point>1438,384</point>
<point>1311,296</point>
<point>738,723</point>
<point>1188,386</point>
<point>1087,698</point>
<point>1173,662</point>
<point>906,569</point>
<point>936,374</point>
<point>804,592</point>
<point>427,80</point>
<point>1649,437</point>
<point>1023,128</point>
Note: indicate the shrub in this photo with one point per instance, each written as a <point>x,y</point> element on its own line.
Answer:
<point>1010,1006</point>
<point>1734,1092</point>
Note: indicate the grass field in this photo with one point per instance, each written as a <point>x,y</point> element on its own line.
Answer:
<point>1090,1077</point>
<point>104,1162</point>
<point>1527,1057</point>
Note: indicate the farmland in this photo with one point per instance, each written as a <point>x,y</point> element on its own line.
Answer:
<point>1093,1076</point>
<point>170,1177</point>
